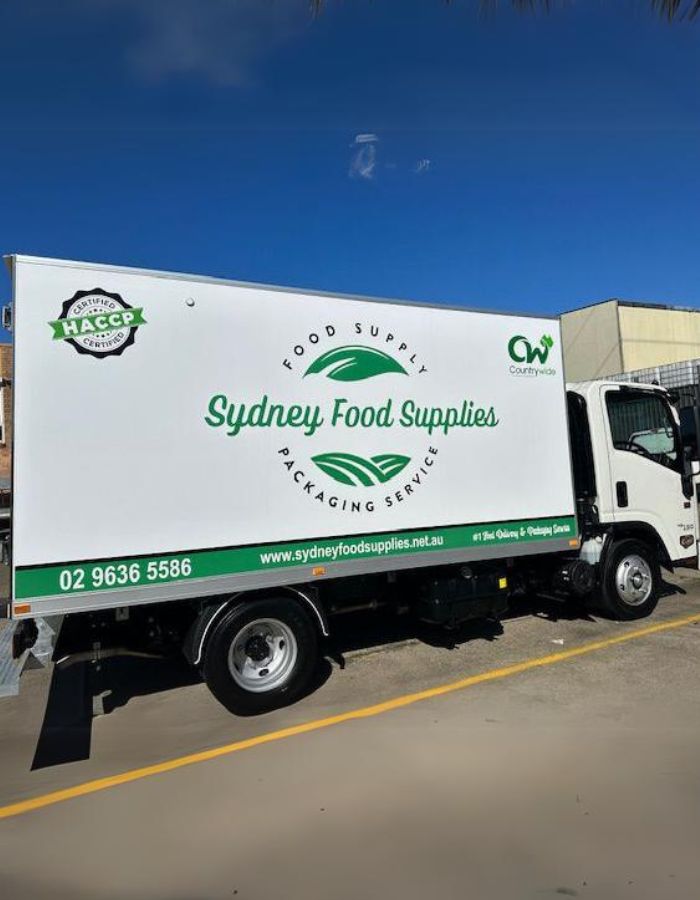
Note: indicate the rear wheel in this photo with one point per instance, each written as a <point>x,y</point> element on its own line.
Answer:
<point>262,655</point>
<point>631,580</point>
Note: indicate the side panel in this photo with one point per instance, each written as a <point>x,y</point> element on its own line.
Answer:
<point>171,430</point>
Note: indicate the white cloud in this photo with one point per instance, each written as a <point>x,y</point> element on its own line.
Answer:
<point>422,166</point>
<point>221,40</point>
<point>364,159</point>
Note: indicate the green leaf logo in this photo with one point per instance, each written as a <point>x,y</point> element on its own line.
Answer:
<point>354,364</point>
<point>347,468</point>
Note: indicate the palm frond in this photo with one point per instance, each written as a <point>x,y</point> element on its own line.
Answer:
<point>669,9</point>
<point>676,9</point>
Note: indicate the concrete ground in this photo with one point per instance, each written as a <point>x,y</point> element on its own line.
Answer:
<point>578,778</point>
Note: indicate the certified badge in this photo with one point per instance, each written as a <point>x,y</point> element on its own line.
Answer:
<point>98,323</point>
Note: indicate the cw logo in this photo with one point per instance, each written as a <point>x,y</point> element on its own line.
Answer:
<point>521,350</point>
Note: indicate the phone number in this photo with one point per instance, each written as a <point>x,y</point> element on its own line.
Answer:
<point>123,574</point>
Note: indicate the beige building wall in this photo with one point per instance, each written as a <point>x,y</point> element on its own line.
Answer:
<point>591,342</point>
<point>654,337</point>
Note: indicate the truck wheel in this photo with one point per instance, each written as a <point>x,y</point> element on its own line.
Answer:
<point>631,581</point>
<point>262,655</point>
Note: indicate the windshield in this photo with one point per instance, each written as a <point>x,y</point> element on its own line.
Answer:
<point>642,423</point>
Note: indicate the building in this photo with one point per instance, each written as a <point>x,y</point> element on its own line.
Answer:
<point>5,412</point>
<point>622,336</point>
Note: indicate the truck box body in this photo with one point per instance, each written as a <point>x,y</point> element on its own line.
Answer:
<point>178,436</point>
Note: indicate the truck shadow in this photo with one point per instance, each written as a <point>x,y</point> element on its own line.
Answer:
<point>80,691</point>
<point>570,610</point>
<point>371,632</point>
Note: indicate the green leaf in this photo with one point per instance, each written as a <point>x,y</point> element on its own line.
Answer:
<point>354,363</point>
<point>391,464</point>
<point>353,470</point>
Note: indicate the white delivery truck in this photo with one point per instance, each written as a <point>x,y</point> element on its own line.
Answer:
<point>230,465</point>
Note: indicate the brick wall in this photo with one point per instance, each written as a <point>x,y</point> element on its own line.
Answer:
<point>6,400</point>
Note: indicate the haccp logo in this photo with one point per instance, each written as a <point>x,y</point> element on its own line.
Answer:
<point>98,323</point>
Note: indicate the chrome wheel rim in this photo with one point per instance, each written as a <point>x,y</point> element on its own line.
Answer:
<point>262,655</point>
<point>633,579</point>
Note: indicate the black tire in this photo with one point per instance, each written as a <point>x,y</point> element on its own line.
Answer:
<point>239,627</point>
<point>631,581</point>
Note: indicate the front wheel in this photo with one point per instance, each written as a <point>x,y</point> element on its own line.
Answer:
<point>262,655</point>
<point>631,580</point>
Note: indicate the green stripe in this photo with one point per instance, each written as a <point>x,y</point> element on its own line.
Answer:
<point>110,575</point>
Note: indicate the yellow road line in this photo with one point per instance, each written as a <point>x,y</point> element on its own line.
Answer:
<point>101,784</point>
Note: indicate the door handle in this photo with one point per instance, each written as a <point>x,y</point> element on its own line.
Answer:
<point>687,485</point>
<point>621,491</point>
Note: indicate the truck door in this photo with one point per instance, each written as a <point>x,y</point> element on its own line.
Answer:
<point>648,478</point>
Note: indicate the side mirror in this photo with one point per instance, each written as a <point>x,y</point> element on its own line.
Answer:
<point>690,458</point>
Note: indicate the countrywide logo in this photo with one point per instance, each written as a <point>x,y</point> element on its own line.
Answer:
<point>533,355</point>
<point>319,432</point>
<point>521,350</point>
<point>97,323</point>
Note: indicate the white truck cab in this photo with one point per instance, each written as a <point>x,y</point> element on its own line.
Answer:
<point>635,490</point>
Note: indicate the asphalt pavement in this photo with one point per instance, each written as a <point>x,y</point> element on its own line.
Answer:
<point>546,772</point>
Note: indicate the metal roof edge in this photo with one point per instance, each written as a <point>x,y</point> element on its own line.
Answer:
<point>284,289</point>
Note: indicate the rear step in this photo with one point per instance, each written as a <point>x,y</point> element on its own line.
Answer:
<point>10,669</point>
<point>38,654</point>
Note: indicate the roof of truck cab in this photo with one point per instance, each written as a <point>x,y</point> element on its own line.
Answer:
<point>587,387</point>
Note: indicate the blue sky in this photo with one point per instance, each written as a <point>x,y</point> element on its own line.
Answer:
<point>516,162</point>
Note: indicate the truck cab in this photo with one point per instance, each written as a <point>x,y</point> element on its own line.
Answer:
<point>635,490</point>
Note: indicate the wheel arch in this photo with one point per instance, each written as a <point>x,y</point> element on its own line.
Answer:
<point>640,531</point>
<point>212,611</point>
